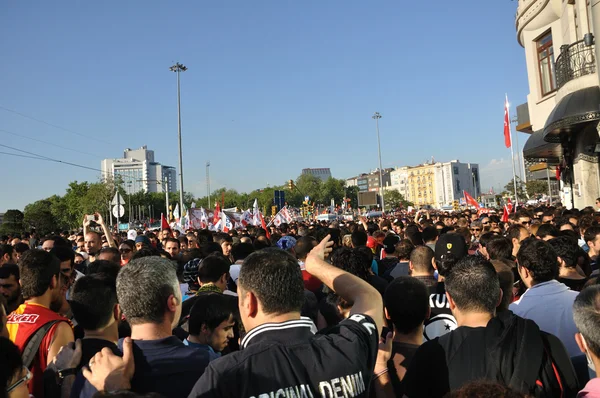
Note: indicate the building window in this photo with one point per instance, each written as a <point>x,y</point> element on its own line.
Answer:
<point>545,53</point>
<point>455,170</point>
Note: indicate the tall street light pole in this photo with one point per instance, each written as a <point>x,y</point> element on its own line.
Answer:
<point>208,182</point>
<point>377,116</point>
<point>178,68</point>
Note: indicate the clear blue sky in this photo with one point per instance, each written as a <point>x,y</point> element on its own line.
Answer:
<point>272,87</point>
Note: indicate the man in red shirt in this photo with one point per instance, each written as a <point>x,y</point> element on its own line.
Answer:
<point>42,289</point>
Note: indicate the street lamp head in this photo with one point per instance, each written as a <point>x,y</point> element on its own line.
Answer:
<point>376,115</point>
<point>178,68</point>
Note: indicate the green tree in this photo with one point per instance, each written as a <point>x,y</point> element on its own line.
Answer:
<point>58,209</point>
<point>38,215</point>
<point>309,185</point>
<point>72,211</point>
<point>12,222</point>
<point>394,199</point>
<point>334,189</point>
<point>352,194</point>
<point>510,188</point>
<point>536,187</point>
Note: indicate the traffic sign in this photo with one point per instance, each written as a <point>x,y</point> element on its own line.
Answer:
<point>118,199</point>
<point>118,211</point>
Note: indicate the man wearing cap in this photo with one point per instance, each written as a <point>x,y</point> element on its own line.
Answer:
<point>142,241</point>
<point>287,243</point>
<point>449,248</point>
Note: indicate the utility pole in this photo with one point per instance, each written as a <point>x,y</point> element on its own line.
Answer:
<point>377,116</point>
<point>178,68</point>
<point>208,182</point>
<point>166,188</point>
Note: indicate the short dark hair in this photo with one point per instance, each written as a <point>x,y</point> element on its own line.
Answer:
<point>212,268</point>
<point>591,233</point>
<point>539,258</point>
<point>407,303</point>
<point>506,277</point>
<point>172,240</point>
<point>104,267</point>
<point>6,249</point>
<point>64,254</point>
<point>21,247</point>
<point>37,268</point>
<point>240,250</point>
<point>567,249</point>
<point>429,234</point>
<point>274,276</point>
<point>352,261</point>
<point>303,246</point>
<point>499,248</point>
<point>209,248</point>
<point>586,314</point>
<point>112,251</point>
<point>485,238</point>
<point>143,287</point>
<point>404,248</point>
<point>209,309</point>
<point>93,300</point>
<point>473,285</point>
<point>222,237</point>
<point>9,269</point>
<point>547,230</point>
<point>359,238</point>
<point>421,258</point>
<point>514,231</point>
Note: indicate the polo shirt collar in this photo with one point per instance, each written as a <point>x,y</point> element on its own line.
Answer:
<point>284,332</point>
<point>549,287</point>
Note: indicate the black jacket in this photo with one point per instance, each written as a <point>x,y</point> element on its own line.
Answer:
<point>287,359</point>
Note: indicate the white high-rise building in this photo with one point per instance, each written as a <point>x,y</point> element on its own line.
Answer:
<point>139,172</point>
<point>399,181</point>
<point>454,177</point>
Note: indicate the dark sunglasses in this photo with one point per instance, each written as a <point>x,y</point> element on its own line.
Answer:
<point>526,222</point>
<point>124,250</point>
<point>475,229</point>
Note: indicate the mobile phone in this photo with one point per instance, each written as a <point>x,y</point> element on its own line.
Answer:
<point>91,217</point>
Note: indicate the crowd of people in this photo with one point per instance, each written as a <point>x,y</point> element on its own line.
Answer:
<point>428,304</point>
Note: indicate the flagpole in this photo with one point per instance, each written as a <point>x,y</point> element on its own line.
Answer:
<point>512,152</point>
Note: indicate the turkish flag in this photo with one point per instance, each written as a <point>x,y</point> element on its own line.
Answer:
<point>163,223</point>
<point>507,138</point>
<point>509,206</point>
<point>470,200</point>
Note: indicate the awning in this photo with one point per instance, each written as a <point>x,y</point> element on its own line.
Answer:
<point>572,113</point>
<point>537,148</point>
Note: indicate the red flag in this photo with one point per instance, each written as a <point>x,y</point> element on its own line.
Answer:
<point>217,214</point>
<point>507,138</point>
<point>163,223</point>
<point>505,214</point>
<point>470,200</point>
<point>264,225</point>
<point>509,206</point>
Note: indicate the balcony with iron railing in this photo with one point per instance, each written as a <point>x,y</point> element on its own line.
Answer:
<point>575,60</point>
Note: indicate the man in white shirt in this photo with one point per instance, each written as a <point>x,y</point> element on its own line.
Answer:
<point>547,302</point>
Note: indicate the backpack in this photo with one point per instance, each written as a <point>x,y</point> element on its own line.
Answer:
<point>537,365</point>
<point>33,344</point>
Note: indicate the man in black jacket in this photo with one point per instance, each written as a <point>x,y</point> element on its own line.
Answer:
<point>503,348</point>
